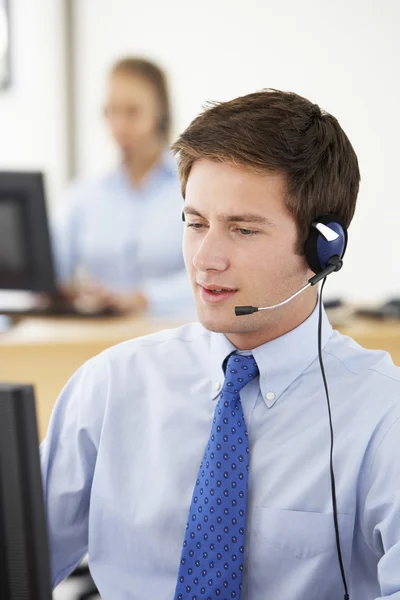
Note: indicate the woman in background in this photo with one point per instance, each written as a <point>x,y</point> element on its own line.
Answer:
<point>122,232</point>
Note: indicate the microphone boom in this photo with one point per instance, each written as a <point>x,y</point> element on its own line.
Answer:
<point>334,264</point>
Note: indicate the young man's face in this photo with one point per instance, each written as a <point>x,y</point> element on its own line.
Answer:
<point>240,238</point>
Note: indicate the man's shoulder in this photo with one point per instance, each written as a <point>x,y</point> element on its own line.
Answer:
<point>177,343</point>
<point>365,386</point>
<point>362,362</point>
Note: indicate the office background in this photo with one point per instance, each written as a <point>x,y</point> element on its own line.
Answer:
<point>342,55</point>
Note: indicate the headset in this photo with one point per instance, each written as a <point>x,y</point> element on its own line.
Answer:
<point>324,250</point>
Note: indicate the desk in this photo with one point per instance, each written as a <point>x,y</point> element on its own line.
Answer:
<point>47,351</point>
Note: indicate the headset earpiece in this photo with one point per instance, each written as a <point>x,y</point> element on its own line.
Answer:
<point>327,238</point>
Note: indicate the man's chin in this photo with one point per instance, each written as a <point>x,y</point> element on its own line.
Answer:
<point>219,321</point>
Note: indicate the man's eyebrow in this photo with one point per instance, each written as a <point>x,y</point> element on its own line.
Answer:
<point>238,218</point>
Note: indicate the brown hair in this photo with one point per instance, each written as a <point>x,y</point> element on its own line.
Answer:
<point>156,77</point>
<point>274,131</point>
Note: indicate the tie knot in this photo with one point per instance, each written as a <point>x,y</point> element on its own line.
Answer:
<point>240,370</point>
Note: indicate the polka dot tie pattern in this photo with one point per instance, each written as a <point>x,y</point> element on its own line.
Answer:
<point>211,565</point>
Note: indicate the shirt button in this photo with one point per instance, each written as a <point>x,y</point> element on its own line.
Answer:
<point>217,386</point>
<point>270,396</point>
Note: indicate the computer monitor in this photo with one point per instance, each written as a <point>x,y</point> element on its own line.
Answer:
<point>25,249</point>
<point>24,557</point>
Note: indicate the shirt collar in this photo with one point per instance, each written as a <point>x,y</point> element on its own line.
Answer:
<point>280,361</point>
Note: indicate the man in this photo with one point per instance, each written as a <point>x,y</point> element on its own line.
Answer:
<point>194,463</point>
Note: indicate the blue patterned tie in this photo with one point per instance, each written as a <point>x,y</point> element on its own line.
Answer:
<point>212,557</point>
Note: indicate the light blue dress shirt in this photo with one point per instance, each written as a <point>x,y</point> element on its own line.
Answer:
<point>126,238</point>
<point>129,431</point>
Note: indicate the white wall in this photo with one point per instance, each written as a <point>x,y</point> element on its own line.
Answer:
<point>32,110</point>
<point>342,54</point>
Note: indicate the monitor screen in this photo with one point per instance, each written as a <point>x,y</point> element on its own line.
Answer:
<point>26,261</point>
<point>13,251</point>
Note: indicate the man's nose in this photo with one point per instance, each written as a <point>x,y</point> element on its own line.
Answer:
<point>212,253</point>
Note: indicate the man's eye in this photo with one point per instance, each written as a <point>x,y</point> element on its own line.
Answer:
<point>195,225</point>
<point>247,232</point>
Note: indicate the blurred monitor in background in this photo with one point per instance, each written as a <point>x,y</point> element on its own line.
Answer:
<point>25,257</point>
<point>27,279</point>
<point>117,238</point>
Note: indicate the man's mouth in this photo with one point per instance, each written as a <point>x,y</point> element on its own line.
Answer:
<point>216,293</point>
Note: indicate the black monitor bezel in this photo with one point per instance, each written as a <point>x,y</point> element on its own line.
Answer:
<point>25,566</point>
<point>28,187</point>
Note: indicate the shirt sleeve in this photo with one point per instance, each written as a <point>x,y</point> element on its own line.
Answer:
<point>380,512</point>
<point>170,295</point>
<point>68,459</point>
